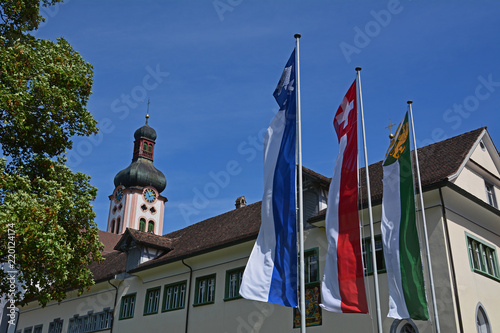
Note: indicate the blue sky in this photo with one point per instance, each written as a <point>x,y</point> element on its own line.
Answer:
<point>210,68</point>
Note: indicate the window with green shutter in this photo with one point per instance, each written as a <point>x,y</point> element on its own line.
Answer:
<point>174,296</point>
<point>152,301</point>
<point>205,290</point>
<point>233,282</point>
<point>127,306</point>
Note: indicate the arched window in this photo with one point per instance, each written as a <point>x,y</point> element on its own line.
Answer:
<point>151,226</point>
<point>118,226</point>
<point>142,225</point>
<point>150,148</point>
<point>145,146</point>
<point>112,229</point>
<point>403,326</point>
<point>482,321</point>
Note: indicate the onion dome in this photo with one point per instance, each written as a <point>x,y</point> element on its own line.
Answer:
<point>141,172</point>
<point>145,132</point>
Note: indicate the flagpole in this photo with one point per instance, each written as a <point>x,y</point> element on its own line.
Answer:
<point>426,237</point>
<point>372,234</point>
<point>302,292</point>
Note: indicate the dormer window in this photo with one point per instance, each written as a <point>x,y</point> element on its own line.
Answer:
<point>490,193</point>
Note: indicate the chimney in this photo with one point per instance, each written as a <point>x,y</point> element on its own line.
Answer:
<point>240,202</point>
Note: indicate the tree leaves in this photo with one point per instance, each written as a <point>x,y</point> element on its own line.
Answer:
<point>46,219</point>
<point>44,88</point>
<point>55,234</point>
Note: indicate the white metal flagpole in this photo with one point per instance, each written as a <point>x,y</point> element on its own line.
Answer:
<point>302,292</point>
<point>426,237</point>
<point>372,235</point>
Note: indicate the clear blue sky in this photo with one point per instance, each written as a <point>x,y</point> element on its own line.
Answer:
<point>210,68</point>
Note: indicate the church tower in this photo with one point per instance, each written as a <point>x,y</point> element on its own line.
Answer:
<point>136,201</point>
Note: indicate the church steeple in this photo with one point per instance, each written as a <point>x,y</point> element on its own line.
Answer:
<point>136,201</point>
<point>141,172</point>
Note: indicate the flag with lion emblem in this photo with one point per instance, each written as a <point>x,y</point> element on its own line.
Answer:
<point>403,261</point>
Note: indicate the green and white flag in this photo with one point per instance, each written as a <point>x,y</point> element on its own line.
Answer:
<point>403,261</point>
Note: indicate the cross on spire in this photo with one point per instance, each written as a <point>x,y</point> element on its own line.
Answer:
<point>391,125</point>
<point>147,112</point>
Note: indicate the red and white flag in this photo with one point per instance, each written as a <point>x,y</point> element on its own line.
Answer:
<point>343,287</point>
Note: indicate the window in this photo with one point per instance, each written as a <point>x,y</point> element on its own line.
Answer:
<point>28,330</point>
<point>205,290</point>
<point>151,226</point>
<point>112,230</point>
<point>174,296</point>
<point>142,225</point>
<point>38,329</point>
<point>482,322</point>
<point>233,282</point>
<point>312,289</point>
<point>482,257</point>
<point>403,326</point>
<point>311,266</point>
<point>118,226</point>
<point>152,301</point>
<point>145,146</point>
<point>56,326</point>
<point>127,307</point>
<point>379,255</point>
<point>150,148</point>
<point>490,193</point>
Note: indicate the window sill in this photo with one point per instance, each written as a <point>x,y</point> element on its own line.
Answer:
<point>150,313</point>
<point>206,303</point>
<point>475,270</point>
<point>173,309</point>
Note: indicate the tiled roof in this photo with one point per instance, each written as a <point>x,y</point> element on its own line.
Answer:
<point>113,263</point>
<point>322,179</point>
<point>438,162</point>
<point>233,227</point>
<point>145,238</point>
<point>109,240</point>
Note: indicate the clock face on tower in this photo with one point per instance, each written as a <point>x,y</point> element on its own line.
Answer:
<point>119,193</point>
<point>149,195</point>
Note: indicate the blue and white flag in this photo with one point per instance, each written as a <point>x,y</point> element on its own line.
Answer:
<point>271,271</point>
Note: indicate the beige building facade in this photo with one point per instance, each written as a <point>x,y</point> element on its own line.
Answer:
<point>188,280</point>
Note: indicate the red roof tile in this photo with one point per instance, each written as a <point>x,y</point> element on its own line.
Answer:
<point>109,240</point>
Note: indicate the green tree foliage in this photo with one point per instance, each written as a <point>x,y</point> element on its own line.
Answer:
<point>46,218</point>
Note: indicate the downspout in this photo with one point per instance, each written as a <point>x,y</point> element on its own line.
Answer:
<point>448,248</point>
<point>189,293</point>
<point>114,306</point>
